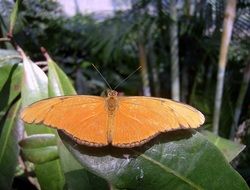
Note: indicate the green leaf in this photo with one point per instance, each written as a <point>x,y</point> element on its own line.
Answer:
<point>87,179</point>
<point>229,148</point>
<point>9,149</point>
<point>13,16</point>
<point>34,88</point>
<point>38,141</point>
<point>10,77</point>
<point>48,176</point>
<point>174,160</point>
<point>10,85</point>
<point>41,155</point>
<point>35,83</point>
<point>40,148</point>
<point>59,84</point>
<point>76,176</point>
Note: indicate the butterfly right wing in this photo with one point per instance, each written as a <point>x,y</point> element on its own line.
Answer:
<point>139,119</point>
<point>84,118</point>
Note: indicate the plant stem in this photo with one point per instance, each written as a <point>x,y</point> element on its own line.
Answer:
<point>154,70</point>
<point>226,36</point>
<point>144,70</point>
<point>174,52</point>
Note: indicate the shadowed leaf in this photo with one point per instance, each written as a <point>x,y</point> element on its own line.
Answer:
<point>40,148</point>
<point>175,160</point>
<point>9,149</point>
<point>13,16</point>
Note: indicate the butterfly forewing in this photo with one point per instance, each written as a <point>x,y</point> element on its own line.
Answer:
<point>82,117</point>
<point>138,119</point>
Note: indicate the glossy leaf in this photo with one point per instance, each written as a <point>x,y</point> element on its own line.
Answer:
<point>175,160</point>
<point>59,83</point>
<point>40,148</point>
<point>9,149</point>
<point>76,176</point>
<point>38,141</point>
<point>34,88</point>
<point>10,85</point>
<point>41,155</point>
<point>10,77</point>
<point>229,148</point>
<point>9,56</point>
<point>13,16</point>
<point>35,83</point>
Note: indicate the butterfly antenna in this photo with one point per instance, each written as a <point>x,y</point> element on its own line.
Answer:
<point>127,78</point>
<point>102,76</point>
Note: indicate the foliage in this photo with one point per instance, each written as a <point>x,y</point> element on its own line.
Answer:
<point>112,44</point>
<point>181,158</point>
<point>228,148</point>
<point>181,148</point>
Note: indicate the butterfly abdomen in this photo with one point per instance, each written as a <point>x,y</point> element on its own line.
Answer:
<point>111,106</point>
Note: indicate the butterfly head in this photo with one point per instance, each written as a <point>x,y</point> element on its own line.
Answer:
<point>112,93</point>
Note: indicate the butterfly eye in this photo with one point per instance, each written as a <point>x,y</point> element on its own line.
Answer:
<point>112,93</point>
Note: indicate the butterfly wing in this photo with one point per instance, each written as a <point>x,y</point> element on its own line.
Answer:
<point>139,119</point>
<point>82,117</point>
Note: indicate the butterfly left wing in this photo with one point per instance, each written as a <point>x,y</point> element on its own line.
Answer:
<point>82,117</point>
<point>139,119</point>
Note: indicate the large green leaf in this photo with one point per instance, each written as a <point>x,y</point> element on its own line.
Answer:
<point>38,141</point>
<point>10,77</point>
<point>34,88</point>
<point>229,148</point>
<point>35,83</point>
<point>40,148</point>
<point>76,176</point>
<point>9,149</point>
<point>59,83</point>
<point>10,85</point>
<point>13,16</point>
<point>175,160</point>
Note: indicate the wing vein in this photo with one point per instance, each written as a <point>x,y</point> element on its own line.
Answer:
<point>138,121</point>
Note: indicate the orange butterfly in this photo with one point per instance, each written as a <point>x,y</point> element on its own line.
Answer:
<point>116,120</point>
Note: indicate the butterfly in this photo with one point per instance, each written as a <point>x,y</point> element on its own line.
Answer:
<point>114,120</point>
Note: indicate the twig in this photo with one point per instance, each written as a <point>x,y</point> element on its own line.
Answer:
<point>41,63</point>
<point>4,39</point>
<point>45,54</point>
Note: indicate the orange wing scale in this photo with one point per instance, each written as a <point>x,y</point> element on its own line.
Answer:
<point>82,117</point>
<point>139,119</point>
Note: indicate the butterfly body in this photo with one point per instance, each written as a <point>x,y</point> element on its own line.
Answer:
<point>111,102</point>
<point>116,120</point>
